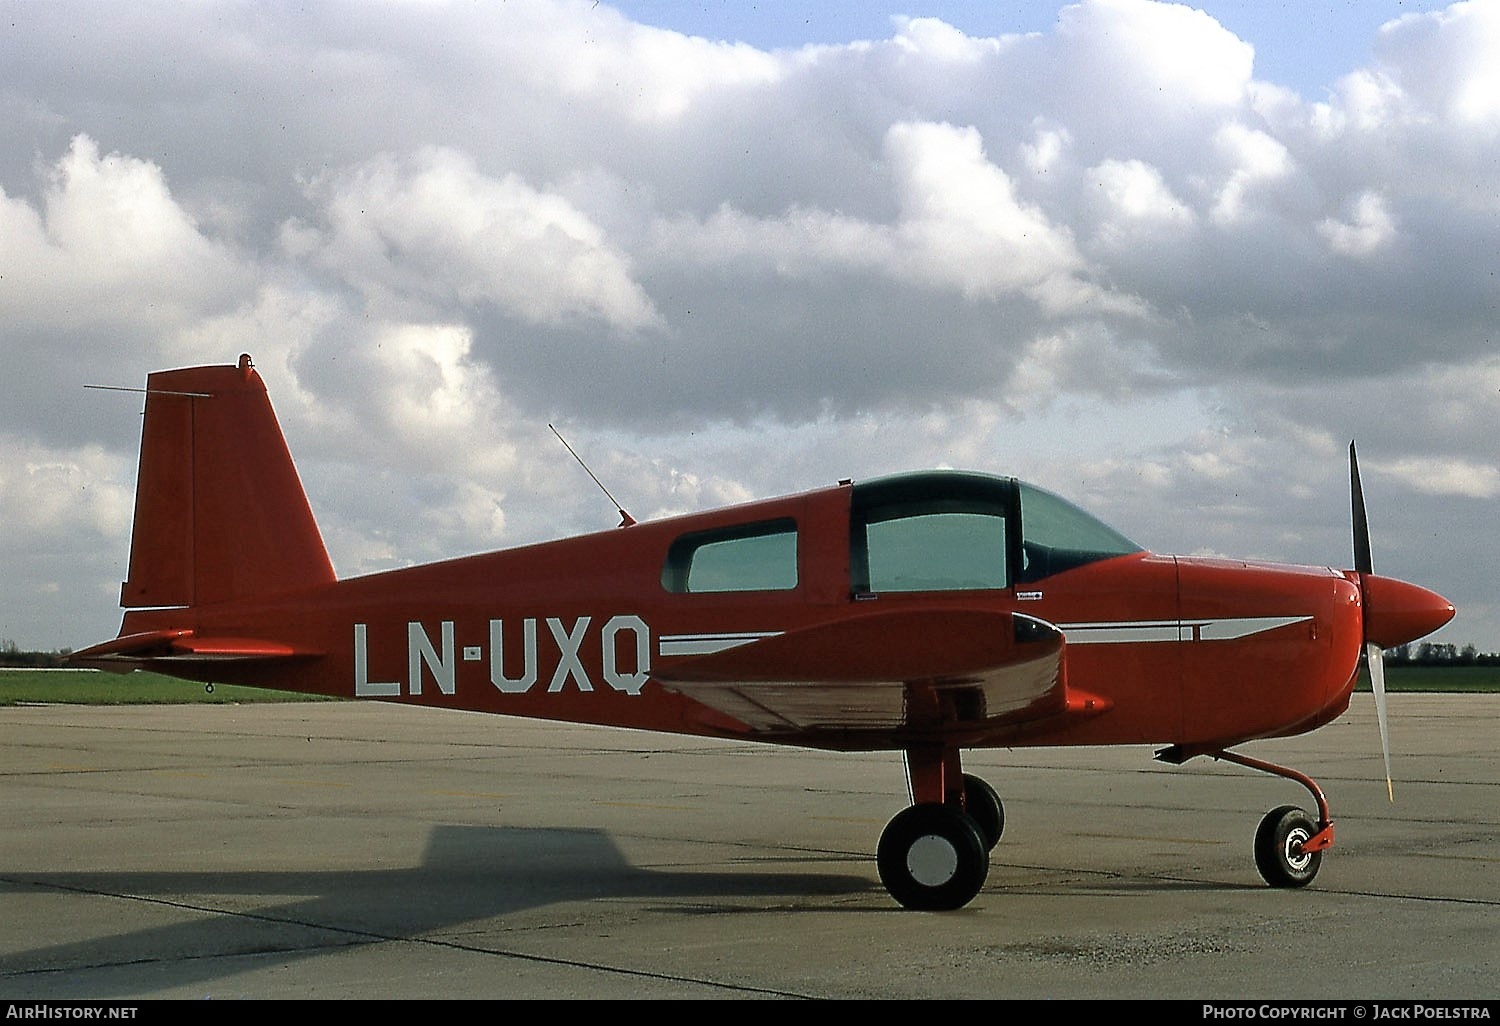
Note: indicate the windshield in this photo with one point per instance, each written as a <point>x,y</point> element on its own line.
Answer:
<point>1056,535</point>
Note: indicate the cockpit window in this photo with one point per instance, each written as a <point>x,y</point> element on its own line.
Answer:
<point>1056,535</point>
<point>930,532</point>
<point>953,551</point>
<point>746,557</point>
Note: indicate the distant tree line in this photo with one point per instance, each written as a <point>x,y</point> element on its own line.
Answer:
<point>11,655</point>
<point>1432,653</point>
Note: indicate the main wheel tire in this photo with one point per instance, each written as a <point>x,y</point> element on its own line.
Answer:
<point>982,803</point>
<point>932,858</point>
<point>1278,848</point>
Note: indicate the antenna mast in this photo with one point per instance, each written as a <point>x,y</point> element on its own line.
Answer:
<point>626,520</point>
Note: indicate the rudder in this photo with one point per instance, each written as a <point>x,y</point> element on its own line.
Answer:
<point>220,512</point>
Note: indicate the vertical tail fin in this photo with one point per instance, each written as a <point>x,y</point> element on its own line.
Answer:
<point>219,510</point>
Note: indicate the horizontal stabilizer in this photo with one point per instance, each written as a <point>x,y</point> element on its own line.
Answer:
<point>130,651</point>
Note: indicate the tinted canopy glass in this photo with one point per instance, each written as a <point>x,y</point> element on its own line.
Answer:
<point>1056,535</point>
<point>746,557</point>
<point>930,532</point>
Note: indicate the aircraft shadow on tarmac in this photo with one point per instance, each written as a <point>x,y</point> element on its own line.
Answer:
<point>467,874</point>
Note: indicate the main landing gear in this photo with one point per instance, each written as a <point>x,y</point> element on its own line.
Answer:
<point>1289,843</point>
<point>935,855</point>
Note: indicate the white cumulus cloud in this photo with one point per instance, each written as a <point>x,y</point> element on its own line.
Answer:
<point>435,228</point>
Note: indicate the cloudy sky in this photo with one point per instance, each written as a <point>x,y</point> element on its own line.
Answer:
<point>1165,261</point>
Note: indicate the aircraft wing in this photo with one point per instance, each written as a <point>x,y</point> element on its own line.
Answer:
<point>910,672</point>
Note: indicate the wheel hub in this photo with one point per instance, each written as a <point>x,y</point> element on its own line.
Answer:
<point>932,860</point>
<point>1296,857</point>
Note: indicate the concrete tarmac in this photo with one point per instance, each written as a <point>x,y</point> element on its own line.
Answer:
<point>368,851</point>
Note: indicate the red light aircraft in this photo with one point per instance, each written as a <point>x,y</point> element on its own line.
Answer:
<point>925,613</point>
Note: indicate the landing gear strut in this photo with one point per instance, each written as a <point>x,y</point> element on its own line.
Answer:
<point>1289,843</point>
<point>934,856</point>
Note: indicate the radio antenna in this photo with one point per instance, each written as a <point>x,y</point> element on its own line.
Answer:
<point>151,391</point>
<point>626,520</point>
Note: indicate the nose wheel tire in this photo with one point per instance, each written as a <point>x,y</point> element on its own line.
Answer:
<point>1278,848</point>
<point>932,858</point>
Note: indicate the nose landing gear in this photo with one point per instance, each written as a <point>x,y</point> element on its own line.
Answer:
<point>1289,843</point>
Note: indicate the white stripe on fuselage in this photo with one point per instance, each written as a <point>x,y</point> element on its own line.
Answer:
<point>1126,632</point>
<point>708,644</point>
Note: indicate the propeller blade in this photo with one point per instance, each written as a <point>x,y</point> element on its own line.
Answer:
<point>1374,654</point>
<point>1362,562</point>
<point>1375,658</point>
